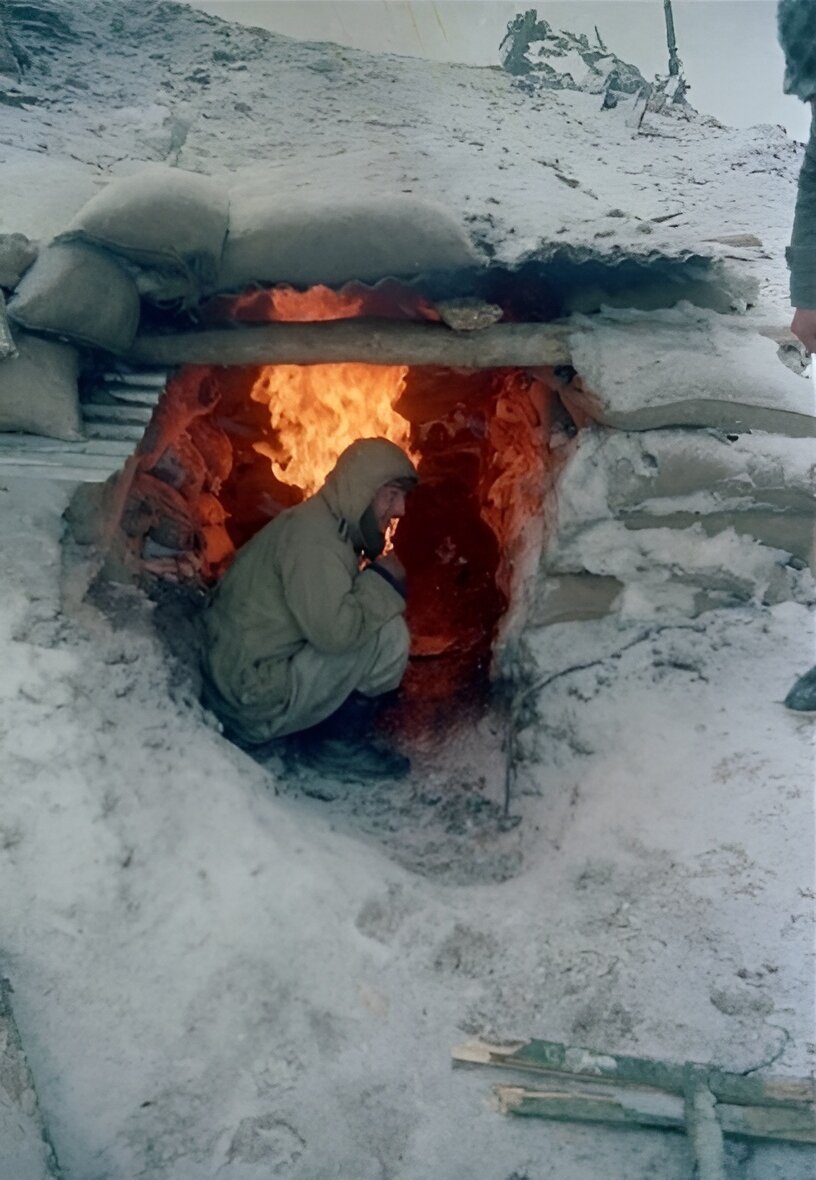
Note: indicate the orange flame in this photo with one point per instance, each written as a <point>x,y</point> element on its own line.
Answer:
<point>318,410</point>
<point>388,300</point>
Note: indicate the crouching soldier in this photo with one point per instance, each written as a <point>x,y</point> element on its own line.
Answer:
<point>306,630</point>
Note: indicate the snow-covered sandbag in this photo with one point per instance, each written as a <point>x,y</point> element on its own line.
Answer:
<point>38,389</point>
<point>727,563</point>
<point>303,243</point>
<point>81,293</point>
<point>7,345</point>
<point>761,485</point>
<point>16,255</point>
<point>163,219</point>
<point>569,597</point>
<point>686,366</point>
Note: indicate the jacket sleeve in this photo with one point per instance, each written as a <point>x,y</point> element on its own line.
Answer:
<point>801,253</point>
<point>337,610</point>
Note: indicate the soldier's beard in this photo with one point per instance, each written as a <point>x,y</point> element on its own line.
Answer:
<point>372,535</point>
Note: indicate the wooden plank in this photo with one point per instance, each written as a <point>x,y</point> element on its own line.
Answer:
<point>60,459</point>
<point>648,1108</point>
<point>376,342</point>
<point>145,378</point>
<point>571,1106</point>
<point>792,1124</point>
<point>131,395</point>
<point>121,432</point>
<point>31,456</point>
<point>59,472</point>
<point>552,1057</point>
<point>134,415</point>
<point>38,444</point>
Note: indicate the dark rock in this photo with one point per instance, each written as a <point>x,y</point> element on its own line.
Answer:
<point>534,51</point>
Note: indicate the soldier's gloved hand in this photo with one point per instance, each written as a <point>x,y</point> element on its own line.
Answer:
<point>803,327</point>
<point>393,569</point>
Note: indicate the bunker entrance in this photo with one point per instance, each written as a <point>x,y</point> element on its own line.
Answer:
<point>230,447</point>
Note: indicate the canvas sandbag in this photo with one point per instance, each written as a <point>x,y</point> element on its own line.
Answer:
<point>7,345</point>
<point>163,219</point>
<point>38,389</point>
<point>81,293</point>
<point>310,242</point>
<point>16,255</point>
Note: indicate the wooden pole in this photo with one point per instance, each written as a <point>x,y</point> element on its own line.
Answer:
<point>374,342</point>
<point>703,1127</point>
<point>674,60</point>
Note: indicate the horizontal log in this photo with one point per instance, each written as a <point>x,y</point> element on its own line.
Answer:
<point>553,1058</point>
<point>374,342</point>
<point>649,1108</point>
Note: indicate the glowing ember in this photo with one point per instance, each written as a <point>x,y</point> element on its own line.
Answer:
<point>318,303</point>
<point>318,410</point>
<point>388,300</point>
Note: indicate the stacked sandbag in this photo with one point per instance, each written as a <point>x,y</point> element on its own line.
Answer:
<point>16,255</point>
<point>38,389</point>
<point>7,345</point>
<point>167,224</point>
<point>80,293</point>
<point>696,487</point>
<point>760,485</point>
<point>304,242</point>
<point>686,366</point>
<point>679,520</point>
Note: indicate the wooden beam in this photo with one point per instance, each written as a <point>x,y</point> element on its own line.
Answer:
<point>652,1108</point>
<point>374,342</point>
<point>551,1057</point>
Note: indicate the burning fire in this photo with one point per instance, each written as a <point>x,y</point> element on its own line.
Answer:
<point>318,410</point>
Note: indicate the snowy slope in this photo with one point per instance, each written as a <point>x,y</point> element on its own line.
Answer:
<point>107,84</point>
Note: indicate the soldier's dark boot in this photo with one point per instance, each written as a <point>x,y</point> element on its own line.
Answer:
<point>802,697</point>
<point>344,746</point>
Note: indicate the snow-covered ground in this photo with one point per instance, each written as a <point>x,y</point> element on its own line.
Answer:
<point>217,974</point>
<point>224,971</point>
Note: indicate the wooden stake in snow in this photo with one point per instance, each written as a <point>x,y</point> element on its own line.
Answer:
<point>674,59</point>
<point>703,1127</point>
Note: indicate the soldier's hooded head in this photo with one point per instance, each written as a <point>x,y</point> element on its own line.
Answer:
<point>351,486</point>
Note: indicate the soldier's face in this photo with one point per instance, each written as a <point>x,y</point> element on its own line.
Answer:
<point>388,505</point>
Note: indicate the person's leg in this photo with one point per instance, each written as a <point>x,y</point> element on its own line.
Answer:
<point>342,744</point>
<point>390,660</point>
<point>319,683</point>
